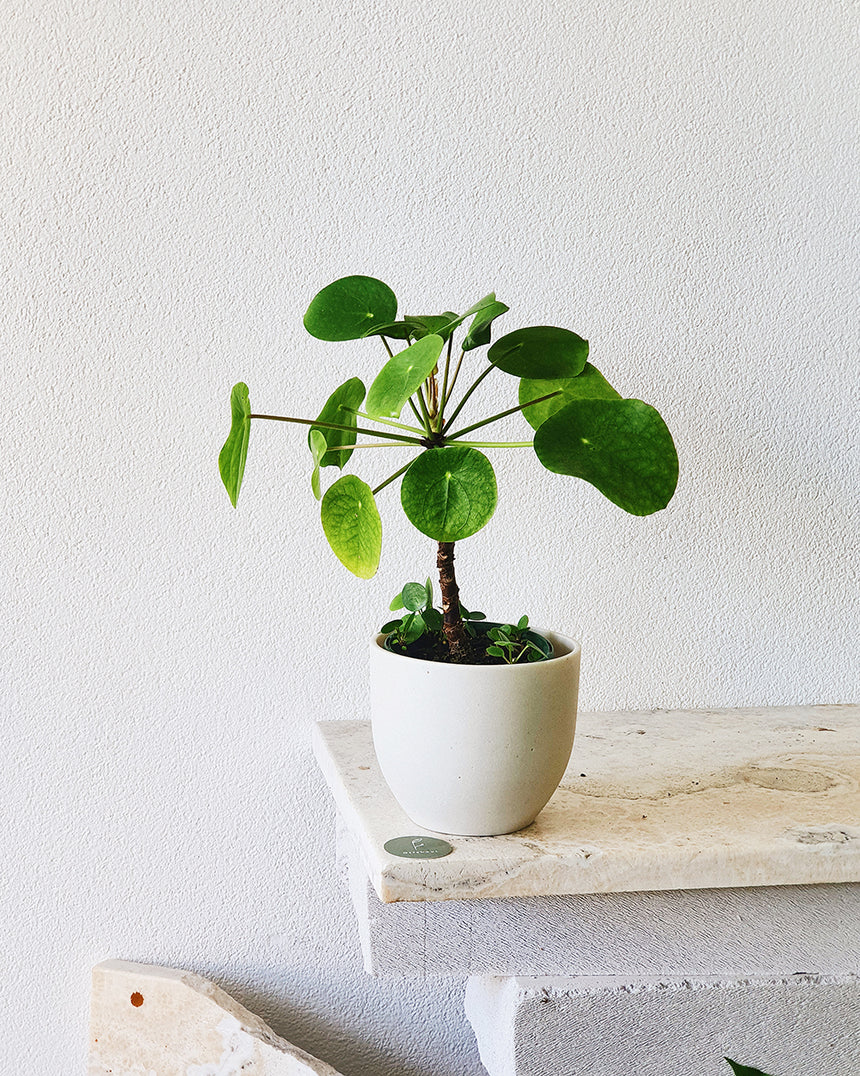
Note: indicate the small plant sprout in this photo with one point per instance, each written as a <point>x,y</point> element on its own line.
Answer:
<point>511,643</point>
<point>575,423</point>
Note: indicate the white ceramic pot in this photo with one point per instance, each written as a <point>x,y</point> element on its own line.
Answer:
<point>473,749</point>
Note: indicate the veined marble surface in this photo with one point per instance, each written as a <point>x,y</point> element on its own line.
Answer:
<point>651,801</point>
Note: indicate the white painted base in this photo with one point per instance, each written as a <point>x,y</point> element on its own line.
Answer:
<point>693,932</point>
<point>150,1021</point>
<point>667,1027</point>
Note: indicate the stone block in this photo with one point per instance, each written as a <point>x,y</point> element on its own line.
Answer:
<point>774,930</point>
<point>667,1026</point>
<point>151,1021</point>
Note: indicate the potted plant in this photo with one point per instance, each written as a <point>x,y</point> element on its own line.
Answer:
<point>472,723</point>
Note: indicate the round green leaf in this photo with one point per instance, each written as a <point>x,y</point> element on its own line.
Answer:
<point>231,459</point>
<point>620,446</point>
<point>349,308</point>
<point>449,493</point>
<point>338,409</point>
<point>401,376</point>
<point>539,352</point>
<point>590,384</point>
<point>352,525</point>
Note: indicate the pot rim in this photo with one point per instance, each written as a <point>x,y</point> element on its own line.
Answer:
<point>564,646</point>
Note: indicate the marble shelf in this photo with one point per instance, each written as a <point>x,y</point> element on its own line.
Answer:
<point>659,800</point>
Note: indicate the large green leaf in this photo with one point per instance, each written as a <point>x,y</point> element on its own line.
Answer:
<point>541,351</point>
<point>349,308</point>
<point>589,385</point>
<point>744,1070</point>
<point>479,330</point>
<point>401,376</point>
<point>231,459</point>
<point>620,446</point>
<point>339,409</point>
<point>449,493</point>
<point>352,525</point>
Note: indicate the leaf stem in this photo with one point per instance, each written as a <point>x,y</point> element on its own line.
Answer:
<point>502,414</point>
<point>391,478</point>
<point>447,396</point>
<point>489,444</point>
<point>469,392</point>
<point>387,348</point>
<point>422,403</point>
<point>383,421</point>
<point>336,426</point>
<point>417,414</point>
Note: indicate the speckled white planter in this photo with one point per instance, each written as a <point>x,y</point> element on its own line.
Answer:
<point>473,749</point>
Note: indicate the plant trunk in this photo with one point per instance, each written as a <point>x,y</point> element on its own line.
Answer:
<point>452,621</point>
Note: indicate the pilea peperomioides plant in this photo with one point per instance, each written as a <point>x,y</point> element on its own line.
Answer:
<point>582,427</point>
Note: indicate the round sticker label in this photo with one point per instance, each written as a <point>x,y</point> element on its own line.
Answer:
<point>418,847</point>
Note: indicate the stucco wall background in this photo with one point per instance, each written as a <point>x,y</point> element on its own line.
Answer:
<point>671,180</point>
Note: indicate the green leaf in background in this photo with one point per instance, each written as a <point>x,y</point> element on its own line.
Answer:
<point>479,330</point>
<point>395,330</point>
<point>541,351</point>
<point>231,459</point>
<point>439,324</point>
<point>449,493</point>
<point>401,376</point>
<point>317,445</point>
<point>338,409</point>
<point>744,1070</point>
<point>352,525</point>
<point>590,384</point>
<point>620,446</point>
<point>348,308</point>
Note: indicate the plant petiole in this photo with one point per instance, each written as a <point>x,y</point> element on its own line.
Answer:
<point>502,414</point>
<point>392,478</point>
<point>384,421</point>
<point>337,426</point>
<point>468,393</point>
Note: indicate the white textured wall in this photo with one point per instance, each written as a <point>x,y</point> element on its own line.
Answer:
<point>672,180</point>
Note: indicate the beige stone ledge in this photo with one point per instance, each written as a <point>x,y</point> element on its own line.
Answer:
<point>663,800</point>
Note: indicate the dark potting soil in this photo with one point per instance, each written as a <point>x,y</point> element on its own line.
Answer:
<point>434,648</point>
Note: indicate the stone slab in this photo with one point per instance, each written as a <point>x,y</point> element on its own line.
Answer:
<point>667,1027</point>
<point>661,800</point>
<point>694,932</point>
<point>151,1021</point>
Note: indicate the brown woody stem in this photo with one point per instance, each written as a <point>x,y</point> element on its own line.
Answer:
<point>452,621</point>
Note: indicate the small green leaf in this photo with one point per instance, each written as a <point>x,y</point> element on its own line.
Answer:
<point>317,445</point>
<point>401,376</point>
<point>433,619</point>
<point>349,308</point>
<point>352,525</point>
<point>590,384</point>
<point>414,597</point>
<point>231,459</point>
<point>496,651</point>
<point>481,304</point>
<point>744,1070</point>
<point>396,603</point>
<point>338,409</point>
<point>523,623</point>
<point>428,590</point>
<point>542,351</point>
<point>479,330</point>
<point>449,493</point>
<point>392,625</point>
<point>413,627</point>
<point>620,446</point>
